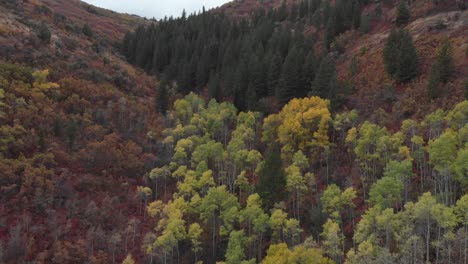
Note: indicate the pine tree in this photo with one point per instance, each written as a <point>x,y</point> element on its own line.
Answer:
<point>444,65</point>
<point>274,71</point>
<point>87,31</point>
<point>214,87</point>
<point>400,57</point>
<point>325,80</point>
<point>441,70</point>
<point>251,97</point>
<point>330,32</point>
<point>390,53</point>
<point>272,178</point>
<point>403,14</point>
<point>44,33</point>
<point>41,142</point>
<point>433,90</point>
<point>290,84</point>
<point>162,101</point>
<point>407,59</point>
<point>309,68</point>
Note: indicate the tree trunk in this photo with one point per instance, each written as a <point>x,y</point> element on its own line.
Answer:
<point>428,234</point>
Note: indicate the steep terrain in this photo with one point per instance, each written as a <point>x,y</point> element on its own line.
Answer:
<point>101,162</point>
<point>78,127</point>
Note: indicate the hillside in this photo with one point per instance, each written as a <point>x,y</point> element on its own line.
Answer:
<point>77,126</point>
<point>262,131</point>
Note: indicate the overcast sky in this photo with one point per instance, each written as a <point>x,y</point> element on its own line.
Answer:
<point>156,8</point>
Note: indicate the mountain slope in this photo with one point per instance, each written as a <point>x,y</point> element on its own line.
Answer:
<point>77,126</point>
<point>100,161</point>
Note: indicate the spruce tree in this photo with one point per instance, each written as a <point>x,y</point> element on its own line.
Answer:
<point>251,97</point>
<point>444,64</point>
<point>407,59</point>
<point>324,84</point>
<point>289,86</point>
<point>44,33</point>
<point>41,142</point>
<point>87,31</point>
<point>214,87</point>
<point>433,90</point>
<point>390,53</point>
<point>308,69</point>
<point>162,100</point>
<point>330,32</point>
<point>441,70</point>
<point>272,178</point>
<point>400,56</point>
<point>403,14</point>
<point>274,71</point>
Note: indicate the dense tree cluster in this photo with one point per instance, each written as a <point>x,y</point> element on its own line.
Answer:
<point>111,171</point>
<point>266,55</point>
<point>231,201</point>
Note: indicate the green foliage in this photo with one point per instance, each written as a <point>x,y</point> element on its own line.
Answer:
<point>354,67</point>
<point>87,31</point>
<point>128,260</point>
<point>386,192</point>
<point>235,252</point>
<point>44,33</point>
<point>442,69</point>
<point>402,14</point>
<point>272,178</point>
<point>334,201</point>
<point>325,83</point>
<point>281,254</point>
<point>400,57</point>
<point>247,60</point>
<point>218,202</point>
<point>364,25</point>
<point>332,240</point>
<point>162,100</point>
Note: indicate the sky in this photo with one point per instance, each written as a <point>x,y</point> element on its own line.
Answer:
<point>156,8</point>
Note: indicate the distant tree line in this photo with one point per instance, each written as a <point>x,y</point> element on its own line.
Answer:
<point>267,55</point>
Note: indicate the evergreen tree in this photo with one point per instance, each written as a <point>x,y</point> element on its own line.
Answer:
<point>403,14</point>
<point>41,142</point>
<point>400,57</point>
<point>44,33</point>
<point>272,178</point>
<point>390,52</point>
<point>324,84</point>
<point>274,71</point>
<point>441,70</point>
<point>162,101</point>
<point>290,80</point>
<point>308,70</point>
<point>407,59</point>
<point>87,31</point>
<point>433,90</point>
<point>257,76</point>
<point>356,19</point>
<point>214,87</point>
<point>71,133</point>
<point>444,65</point>
<point>330,32</point>
<point>251,97</point>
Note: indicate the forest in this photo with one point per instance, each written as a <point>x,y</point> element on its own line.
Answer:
<point>302,132</point>
<point>408,203</point>
<point>265,55</point>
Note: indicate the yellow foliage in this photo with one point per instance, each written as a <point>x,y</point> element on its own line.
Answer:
<point>40,81</point>
<point>351,136</point>
<point>302,125</point>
